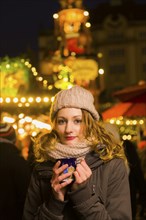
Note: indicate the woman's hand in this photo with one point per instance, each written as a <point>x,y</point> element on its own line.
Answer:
<point>82,174</point>
<point>59,187</point>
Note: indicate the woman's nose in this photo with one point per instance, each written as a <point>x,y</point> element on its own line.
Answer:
<point>68,127</point>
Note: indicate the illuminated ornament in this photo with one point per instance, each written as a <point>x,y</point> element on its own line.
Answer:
<point>84,69</point>
<point>70,20</point>
<point>65,78</point>
<point>14,76</point>
<point>73,45</point>
<point>63,84</point>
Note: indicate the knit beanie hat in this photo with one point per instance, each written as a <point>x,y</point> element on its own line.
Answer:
<point>7,132</point>
<point>75,97</point>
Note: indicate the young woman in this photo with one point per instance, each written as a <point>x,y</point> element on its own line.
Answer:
<point>97,188</point>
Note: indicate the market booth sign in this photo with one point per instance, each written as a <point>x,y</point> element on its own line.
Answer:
<point>85,69</point>
<point>14,74</point>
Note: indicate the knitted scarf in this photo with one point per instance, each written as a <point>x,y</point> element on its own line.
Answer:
<point>65,151</point>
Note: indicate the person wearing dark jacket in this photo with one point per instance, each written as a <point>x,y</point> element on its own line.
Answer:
<point>15,175</point>
<point>81,173</point>
<point>136,180</point>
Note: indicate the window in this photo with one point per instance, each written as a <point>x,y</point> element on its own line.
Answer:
<point>144,67</point>
<point>142,35</point>
<point>117,69</point>
<point>115,37</point>
<point>117,52</point>
<point>143,50</point>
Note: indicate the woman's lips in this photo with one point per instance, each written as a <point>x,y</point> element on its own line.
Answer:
<point>70,138</point>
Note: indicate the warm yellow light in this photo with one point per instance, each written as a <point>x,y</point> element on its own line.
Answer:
<point>45,82</point>
<point>34,133</point>
<point>41,125</point>
<point>27,104</point>
<point>73,54</point>
<point>22,121</point>
<point>99,55</point>
<point>141,122</point>
<point>69,86</point>
<point>21,115</point>
<point>65,79</point>
<point>15,126</point>
<point>8,119</point>
<point>20,105</point>
<point>40,78</point>
<point>134,122</point>
<point>112,121</point>
<point>35,73</point>
<point>55,16</point>
<point>101,71</point>
<point>21,131</point>
<point>15,64</point>
<point>33,69</point>
<point>60,76</point>
<point>30,99</point>
<point>52,99</point>
<point>129,137</point>
<point>50,87</point>
<point>88,24</point>
<point>124,137</point>
<point>15,100</point>
<point>38,99</point>
<point>1,100</point>
<point>118,122</point>
<point>26,63</point>
<point>86,13</point>
<point>46,99</point>
<point>28,119</point>
<point>8,100</point>
<point>122,129</point>
<point>23,99</point>
<point>127,122</point>
<point>8,66</point>
<point>29,65</point>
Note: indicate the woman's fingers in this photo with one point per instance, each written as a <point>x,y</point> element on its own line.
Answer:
<point>83,172</point>
<point>60,178</point>
<point>61,185</point>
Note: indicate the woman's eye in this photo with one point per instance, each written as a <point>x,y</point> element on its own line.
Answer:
<point>78,121</point>
<point>60,121</point>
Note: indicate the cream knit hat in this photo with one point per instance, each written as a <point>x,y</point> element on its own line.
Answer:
<point>76,97</point>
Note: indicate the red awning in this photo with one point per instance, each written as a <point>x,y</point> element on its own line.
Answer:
<point>127,109</point>
<point>133,105</point>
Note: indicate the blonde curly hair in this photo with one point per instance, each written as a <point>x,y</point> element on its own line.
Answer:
<point>102,141</point>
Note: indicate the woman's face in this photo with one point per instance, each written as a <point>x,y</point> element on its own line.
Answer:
<point>69,126</point>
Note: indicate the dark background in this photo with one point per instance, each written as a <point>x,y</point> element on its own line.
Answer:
<point>21,20</point>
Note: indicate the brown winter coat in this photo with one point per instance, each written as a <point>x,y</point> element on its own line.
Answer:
<point>106,195</point>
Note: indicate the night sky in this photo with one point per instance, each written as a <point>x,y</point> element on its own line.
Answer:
<point>20,22</point>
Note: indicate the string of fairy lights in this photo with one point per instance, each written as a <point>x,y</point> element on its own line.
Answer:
<point>29,124</point>
<point>23,123</point>
<point>129,128</point>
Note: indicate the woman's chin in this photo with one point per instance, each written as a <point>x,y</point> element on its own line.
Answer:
<point>70,143</point>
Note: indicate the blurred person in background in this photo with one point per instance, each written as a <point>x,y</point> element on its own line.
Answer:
<point>25,145</point>
<point>15,175</point>
<point>136,180</point>
<point>142,150</point>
